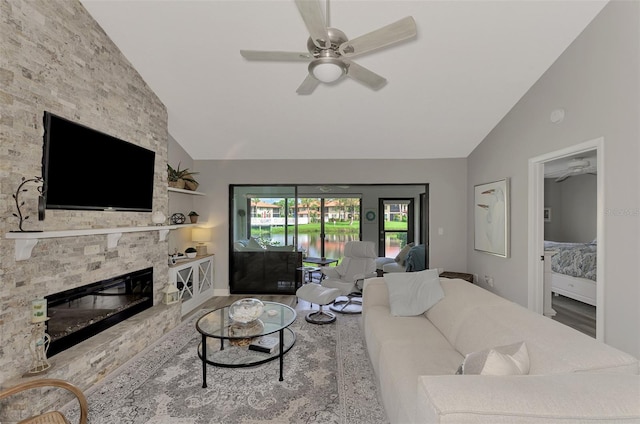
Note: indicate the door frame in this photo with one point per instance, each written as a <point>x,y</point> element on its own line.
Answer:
<point>323,210</point>
<point>411,218</point>
<point>536,227</point>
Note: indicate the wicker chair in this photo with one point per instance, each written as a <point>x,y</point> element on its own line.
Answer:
<point>52,417</point>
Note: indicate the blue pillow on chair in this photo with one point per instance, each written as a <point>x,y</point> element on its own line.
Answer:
<point>416,259</point>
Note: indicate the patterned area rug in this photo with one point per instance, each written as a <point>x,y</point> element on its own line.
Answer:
<point>327,379</point>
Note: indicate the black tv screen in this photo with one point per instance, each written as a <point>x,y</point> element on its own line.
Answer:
<point>87,169</point>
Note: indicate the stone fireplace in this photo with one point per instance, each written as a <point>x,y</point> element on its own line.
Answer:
<point>56,57</point>
<point>95,326</point>
<point>79,313</point>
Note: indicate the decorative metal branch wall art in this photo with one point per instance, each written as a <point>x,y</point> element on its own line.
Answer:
<point>19,204</point>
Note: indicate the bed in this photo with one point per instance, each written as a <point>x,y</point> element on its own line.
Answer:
<point>573,270</point>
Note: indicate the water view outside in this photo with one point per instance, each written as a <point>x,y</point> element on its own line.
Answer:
<point>311,243</point>
<point>333,245</point>
<point>339,218</point>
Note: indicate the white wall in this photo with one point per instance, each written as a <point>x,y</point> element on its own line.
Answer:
<point>573,204</point>
<point>447,179</point>
<point>596,81</point>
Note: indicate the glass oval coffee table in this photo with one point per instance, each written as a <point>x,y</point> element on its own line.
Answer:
<point>226,343</point>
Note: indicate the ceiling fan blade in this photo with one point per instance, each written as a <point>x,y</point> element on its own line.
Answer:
<point>364,76</point>
<point>312,15</point>
<point>308,85</point>
<point>564,177</point>
<point>276,55</point>
<point>393,33</point>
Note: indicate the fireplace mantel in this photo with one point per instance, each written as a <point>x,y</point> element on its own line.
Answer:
<point>25,241</point>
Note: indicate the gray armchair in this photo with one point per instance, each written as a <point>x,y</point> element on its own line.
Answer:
<point>358,263</point>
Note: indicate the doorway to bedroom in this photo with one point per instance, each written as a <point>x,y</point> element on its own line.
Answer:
<point>570,238</point>
<point>566,208</point>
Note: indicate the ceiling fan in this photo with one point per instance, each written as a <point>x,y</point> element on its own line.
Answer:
<point>330,51</point>
<point>577,166</point>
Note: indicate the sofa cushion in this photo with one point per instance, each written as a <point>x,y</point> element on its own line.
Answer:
<point>460,299</point>
<point>539,399</point>
<point>474,319</point>
<point>382,330</point>
<point>502,360</point>
<point>413,293</point>
<point>402,362</point>
<point>553,347</point>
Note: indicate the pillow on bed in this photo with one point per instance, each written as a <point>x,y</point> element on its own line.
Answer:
<point>502,360</point>
<point>413,293</point>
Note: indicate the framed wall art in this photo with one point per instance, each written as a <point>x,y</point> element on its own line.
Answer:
<point>491,214</point>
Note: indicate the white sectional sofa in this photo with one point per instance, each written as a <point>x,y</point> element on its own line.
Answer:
<point>572,378</point>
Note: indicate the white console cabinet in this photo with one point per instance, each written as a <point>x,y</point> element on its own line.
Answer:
<point>194,280</point>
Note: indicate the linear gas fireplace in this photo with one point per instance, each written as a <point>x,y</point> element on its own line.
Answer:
<point>77,314</point>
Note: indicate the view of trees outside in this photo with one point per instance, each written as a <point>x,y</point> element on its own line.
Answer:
<point>271,225</point>
<point>341,223</point>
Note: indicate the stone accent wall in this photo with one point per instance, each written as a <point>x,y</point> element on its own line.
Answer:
<point>55,57</point>
<point>92,360</point>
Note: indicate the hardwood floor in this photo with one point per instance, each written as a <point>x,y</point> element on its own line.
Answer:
<point>575,314</point>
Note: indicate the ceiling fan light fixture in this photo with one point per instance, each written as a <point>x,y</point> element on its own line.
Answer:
<point>327,70</point>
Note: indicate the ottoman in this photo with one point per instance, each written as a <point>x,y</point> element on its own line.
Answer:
<point>315,293</point>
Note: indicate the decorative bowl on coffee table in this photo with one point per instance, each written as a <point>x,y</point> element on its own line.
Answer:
<point>245,311</point>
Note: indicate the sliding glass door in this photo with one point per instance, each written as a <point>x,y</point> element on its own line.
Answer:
<point>325,224</point>
<point>273,229</point>
<point>264,256</point>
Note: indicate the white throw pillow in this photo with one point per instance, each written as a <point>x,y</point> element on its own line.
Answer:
<point>413,293</point>
<point>253,244</point>
<point>502,360</point>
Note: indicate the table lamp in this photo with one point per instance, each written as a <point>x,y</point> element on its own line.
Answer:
<point>201,236</point>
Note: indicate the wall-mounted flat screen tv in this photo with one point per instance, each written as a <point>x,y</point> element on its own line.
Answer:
<point>89,170</point>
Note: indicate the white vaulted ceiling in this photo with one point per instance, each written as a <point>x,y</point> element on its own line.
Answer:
<point>447,88</point>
